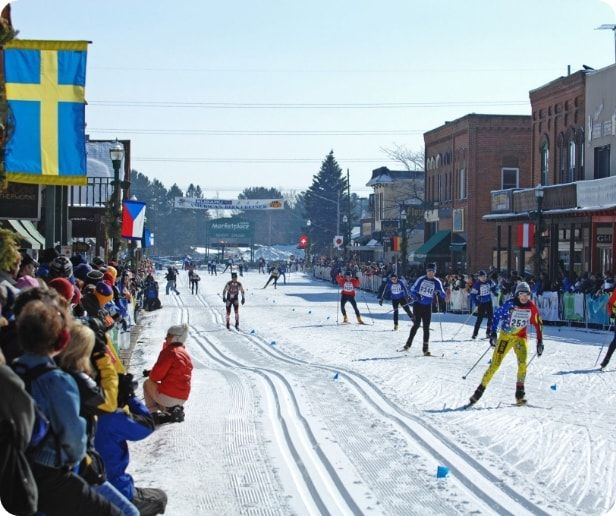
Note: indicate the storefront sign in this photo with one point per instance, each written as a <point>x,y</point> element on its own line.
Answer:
<point>21,202</point>
<point>228,229</point>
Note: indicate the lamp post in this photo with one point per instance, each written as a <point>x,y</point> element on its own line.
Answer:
<point>307,249</point>
<point>116,152</point>
<point>538,230</point>
<point>612,27</point>
<point>345,221</point>
<point>403,243</point>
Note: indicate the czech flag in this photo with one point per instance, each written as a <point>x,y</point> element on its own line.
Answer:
<point>133,218</point>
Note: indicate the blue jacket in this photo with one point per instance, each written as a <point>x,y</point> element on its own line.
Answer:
<point>397,290</point>
<point>57,395</point>
<point>112,432</point>
<point>424,288</point>
<point>481,292</point>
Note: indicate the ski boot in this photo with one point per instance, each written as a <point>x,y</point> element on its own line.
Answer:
<point>359,321</point>
<point>177,414</point>
<point>345,318</point>
<point>474,336</point>
<point>407,346</point>
<point>228,325</point>
<point>395,327</point>
<point>237,325</point>
<point>519,394</point>
<point>425,350</point>
<point>477,394</point>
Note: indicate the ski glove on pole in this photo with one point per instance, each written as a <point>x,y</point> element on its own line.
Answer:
<point>539,347</point>
<point>493,339</point>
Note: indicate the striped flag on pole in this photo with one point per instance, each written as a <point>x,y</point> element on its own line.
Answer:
<point>526,235</point>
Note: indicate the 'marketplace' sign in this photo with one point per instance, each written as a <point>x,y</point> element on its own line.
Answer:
<point>229,230</point>
<point>229,204</point>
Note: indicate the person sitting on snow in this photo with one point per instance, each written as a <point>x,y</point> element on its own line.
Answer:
<point>168,383</point>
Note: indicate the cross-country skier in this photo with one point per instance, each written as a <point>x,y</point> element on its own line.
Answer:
<point>611,312</point>
<point>397,290</point>
<point>230,296</point>
<point>274,273</point>
<point>515,315</point>
<point>193,280</point>
<point>348,284</point>
<point>481,297</point>
<point>423,291</point>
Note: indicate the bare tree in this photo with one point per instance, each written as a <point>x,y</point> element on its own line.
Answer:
<point>410,159</point>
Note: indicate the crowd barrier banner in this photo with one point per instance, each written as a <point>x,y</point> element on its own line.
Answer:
<point>547,303</point>
<point>458,301</point>
<point>596,309</point>
<point>573,307</point>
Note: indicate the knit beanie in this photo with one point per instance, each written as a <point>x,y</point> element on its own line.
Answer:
<point>179,333</point>
<point>113,271</point>
<point>94,276</point>
<point>104,293</point>
<point>81,271</point>
<point>25,282</point>
<point>109,279</point>
<point>63,287</point>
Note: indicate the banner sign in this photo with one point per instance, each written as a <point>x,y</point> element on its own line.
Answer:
<point>133,219</point>
<point>193,203</point>
<point>228,229</point>
<point>526,235</point>
<point>20,201</point>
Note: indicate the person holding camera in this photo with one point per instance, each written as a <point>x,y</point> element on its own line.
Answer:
<point>515,315</point>
<point>168,383</point>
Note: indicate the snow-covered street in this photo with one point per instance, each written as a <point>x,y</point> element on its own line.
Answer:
<point>298,414</point>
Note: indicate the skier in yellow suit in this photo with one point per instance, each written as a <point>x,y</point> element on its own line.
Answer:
<point>516,314</point>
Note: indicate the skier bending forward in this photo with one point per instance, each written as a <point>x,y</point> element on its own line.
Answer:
<point>230,296</point>
<point>516,314</point>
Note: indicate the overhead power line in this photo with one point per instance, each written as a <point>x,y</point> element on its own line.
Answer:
<point>300,105</point>
<point>221,132</point>
<point>258,160</point>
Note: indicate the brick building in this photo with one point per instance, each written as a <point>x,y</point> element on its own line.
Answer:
<point>465,160</point>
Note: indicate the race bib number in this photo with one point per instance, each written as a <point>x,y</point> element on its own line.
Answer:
<point>396,289</point>
<point>519,318</point>
<point>484,290</point>
<point>348,286</point>
<point>426,289</point>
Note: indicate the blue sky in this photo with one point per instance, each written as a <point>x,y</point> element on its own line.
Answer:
<point>173,76</point>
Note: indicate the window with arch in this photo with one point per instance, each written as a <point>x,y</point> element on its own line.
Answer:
<point>545,162</point>
<point>571,161</point>
<point>562,159</point>
<point>581,147</point>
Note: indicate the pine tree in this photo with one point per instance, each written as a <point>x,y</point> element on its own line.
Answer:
<point>324,202</point>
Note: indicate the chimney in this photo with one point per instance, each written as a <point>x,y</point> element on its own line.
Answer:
<point>568,70</point>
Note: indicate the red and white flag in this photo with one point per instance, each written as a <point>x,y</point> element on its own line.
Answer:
<point>526,235</point>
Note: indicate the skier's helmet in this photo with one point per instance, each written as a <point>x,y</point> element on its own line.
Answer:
<point>60,267</point>
<point>234,274</point>
<point>430,267</point>
<point>522,286</point>
<point>482,274</point>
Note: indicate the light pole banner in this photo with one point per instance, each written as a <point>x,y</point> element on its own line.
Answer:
<point>338,241</point>
<point>193,203</point>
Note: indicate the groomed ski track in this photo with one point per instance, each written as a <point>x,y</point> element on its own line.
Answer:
<point>376,435</point>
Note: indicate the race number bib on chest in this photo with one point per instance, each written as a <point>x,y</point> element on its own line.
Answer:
<point>396,289</point>
<point>519,318</point>
<point>426,289</point>
<point>348,286</point>
<point>484,290</point>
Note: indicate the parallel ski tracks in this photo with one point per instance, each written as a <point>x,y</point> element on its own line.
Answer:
<point>473,475</point>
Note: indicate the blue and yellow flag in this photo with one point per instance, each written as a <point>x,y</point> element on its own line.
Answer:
<point>45,90</point>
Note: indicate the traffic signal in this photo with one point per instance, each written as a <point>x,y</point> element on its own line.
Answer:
<point>303,242</point>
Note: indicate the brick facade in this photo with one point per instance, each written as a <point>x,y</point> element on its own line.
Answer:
<point>464,162</point>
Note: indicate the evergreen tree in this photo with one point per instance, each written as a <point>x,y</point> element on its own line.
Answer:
<point>325,201</point>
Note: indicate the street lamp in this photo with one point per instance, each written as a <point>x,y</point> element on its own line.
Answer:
<point>612,27</point>
<point>403,243</point>
<point>538,231</point>
<point>116,152</point>
<point>345,221</point>
<point>307,248</point>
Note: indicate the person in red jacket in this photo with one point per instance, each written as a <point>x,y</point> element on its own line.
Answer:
<point>611,312</point>
<point>348,284</point>
<point>168,383</point>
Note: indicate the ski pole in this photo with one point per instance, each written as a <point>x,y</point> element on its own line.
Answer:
<point>338,307</point>
<point>367,305</point>
<point>602,346</point>
<point>475,364</point>
<point>531,360</point>
<point>460,327</point>
<point>440,319</point>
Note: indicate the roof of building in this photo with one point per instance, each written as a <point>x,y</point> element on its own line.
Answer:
<point>383,175</point>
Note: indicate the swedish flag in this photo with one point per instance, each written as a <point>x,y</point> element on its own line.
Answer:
<point>45,90</point>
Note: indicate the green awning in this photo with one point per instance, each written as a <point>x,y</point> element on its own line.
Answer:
<point>435,245</point>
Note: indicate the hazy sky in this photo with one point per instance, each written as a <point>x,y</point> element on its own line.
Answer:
<point>234,94</point>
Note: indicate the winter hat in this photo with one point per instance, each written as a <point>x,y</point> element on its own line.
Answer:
<point>482,273</point>
<point>104,293</point>
<point>27,282</point>
<point>26,259</point>
<point>113,271</point>
<point>63,287</point>
<point>76,259</point>
<point>94,276</point>
<point>431,267</point>
<point>522,286</point>
<point>97,262</point>
<point>81,271</point>
<point>60,267</point>
<point>179,333</point>
<point>109,278</point>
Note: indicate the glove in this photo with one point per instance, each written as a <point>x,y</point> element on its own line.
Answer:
<point>243,300</point>
<point>539,347</point>
<point>493,339</point>
<point>380,302</point>
<point>146,373</point>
